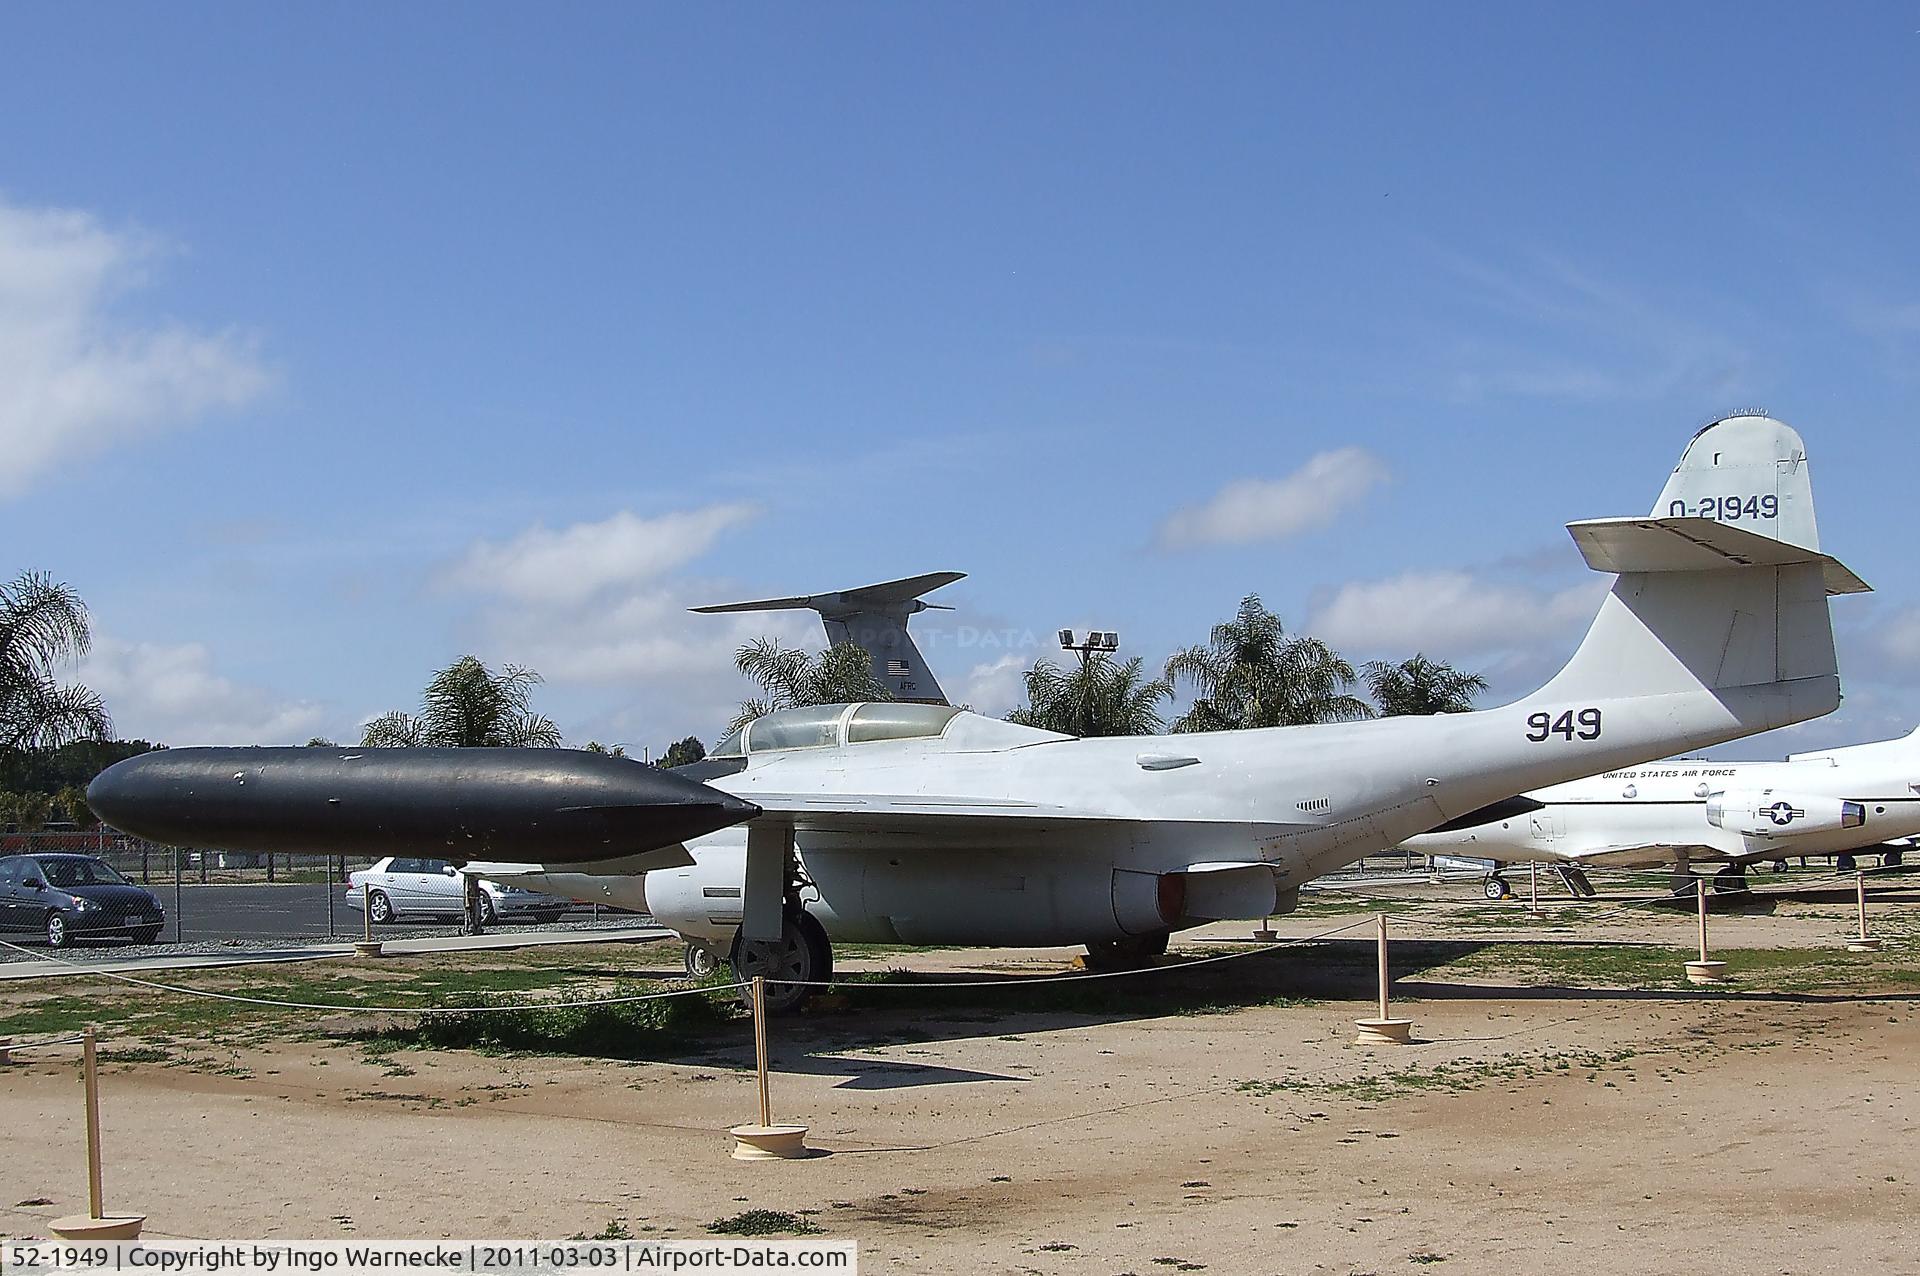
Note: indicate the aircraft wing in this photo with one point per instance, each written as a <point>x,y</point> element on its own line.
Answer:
<point>942,817</point>
<point>1639,854</point>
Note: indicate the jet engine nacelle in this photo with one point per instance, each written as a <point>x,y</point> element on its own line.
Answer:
<point>1777,813</point>
<point>1017,899</point>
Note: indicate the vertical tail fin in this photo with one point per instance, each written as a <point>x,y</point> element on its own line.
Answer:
<point>1722,589</point>
<point>874,618</point>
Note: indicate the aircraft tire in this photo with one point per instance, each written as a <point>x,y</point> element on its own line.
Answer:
<point>1779,866</point>
<point>1892,859</point>
<point>1497,888</point>
<point>701,960</point>
<point>802,955</point>
<point>1844,864</point>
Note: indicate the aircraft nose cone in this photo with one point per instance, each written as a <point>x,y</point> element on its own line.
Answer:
<point>117,793</point>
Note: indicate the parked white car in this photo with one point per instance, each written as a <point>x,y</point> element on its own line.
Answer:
<point>397,887</point>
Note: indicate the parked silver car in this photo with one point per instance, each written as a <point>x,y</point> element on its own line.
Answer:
<point>397,887</point>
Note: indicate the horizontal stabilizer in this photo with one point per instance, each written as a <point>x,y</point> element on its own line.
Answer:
<point>1628,545</point>
<point>889,593</point>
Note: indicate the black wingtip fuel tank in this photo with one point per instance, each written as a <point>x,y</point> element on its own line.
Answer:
<point>521,805</point>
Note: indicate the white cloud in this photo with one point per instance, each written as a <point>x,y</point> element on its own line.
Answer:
<point>170,694</point>
<point>1453,616</point>
<point>599,610</point>
<point>74,378</point>
<point>574,563</point>
<point>1271,509</point>
<point>997,686</point>
<point>1898,639</point>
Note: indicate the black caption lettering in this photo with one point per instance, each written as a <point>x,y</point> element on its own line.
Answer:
<point>1584,723</point>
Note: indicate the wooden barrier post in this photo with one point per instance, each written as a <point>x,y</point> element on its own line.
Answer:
<point>1385,1030</point>
<point>1704,971</point>
<point>765,1141</point>
<point>97,1224</point>
<point>1533,887</point>
<point>1266,933</point>
<point>368,946</point>
<point>1863,942</point>
<point>90,1069</point>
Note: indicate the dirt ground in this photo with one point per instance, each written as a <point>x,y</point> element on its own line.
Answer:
<point>1530,1129</point>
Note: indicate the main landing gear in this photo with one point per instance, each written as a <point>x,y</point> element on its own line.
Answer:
<point>1731,880</point>
<point>802,956</point>
<point>1132,953</point>
<point>1497,887</point>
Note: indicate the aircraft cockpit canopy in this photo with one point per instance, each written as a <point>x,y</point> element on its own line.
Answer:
<point>817,726</point>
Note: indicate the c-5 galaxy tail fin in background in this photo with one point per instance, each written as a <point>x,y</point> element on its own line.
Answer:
<point>874,617</point>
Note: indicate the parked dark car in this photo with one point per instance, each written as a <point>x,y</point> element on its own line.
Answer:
<point>66,897</point>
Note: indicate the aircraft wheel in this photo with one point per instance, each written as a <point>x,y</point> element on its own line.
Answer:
<point>1844,864</point>
<point>1779,866</point>
<point>800,958</point>
<point>380,908</point>
<point>1497,888</point>
<point>1682,884</point>
<point>1892,859</point>
<point>701,960</point>
<point>1131,953</point>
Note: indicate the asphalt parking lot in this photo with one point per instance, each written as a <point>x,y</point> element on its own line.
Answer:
<point>245,915</point>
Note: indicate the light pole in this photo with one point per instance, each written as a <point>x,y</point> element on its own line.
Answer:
<point>1098,642</point>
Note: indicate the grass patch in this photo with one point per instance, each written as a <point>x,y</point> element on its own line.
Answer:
<point>135,1054</point>
<point>1443,1078</point>
<point>515,1023</point>
<point>764,1223</point>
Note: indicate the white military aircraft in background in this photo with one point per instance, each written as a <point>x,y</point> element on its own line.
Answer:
<point>925,824</point>
<point>1835,802</point>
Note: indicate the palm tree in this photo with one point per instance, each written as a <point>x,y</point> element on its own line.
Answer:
<point>466,705</point>
<point>1252,673</point>
<point>792,677</point>
<point>1420,686</point>
<point>1099,697</point>
<point>684,752</point>
<point>43,625</point>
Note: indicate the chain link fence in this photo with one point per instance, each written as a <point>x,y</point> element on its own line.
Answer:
<point>228,899</point>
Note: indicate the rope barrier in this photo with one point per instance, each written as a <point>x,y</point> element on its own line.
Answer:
<point>1597,905</point>
<point>41,1045</point>
<point>1027,981</point>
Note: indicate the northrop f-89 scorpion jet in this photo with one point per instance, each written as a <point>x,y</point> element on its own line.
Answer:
<point>927,824</point>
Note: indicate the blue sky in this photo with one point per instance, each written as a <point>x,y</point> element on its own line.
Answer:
<point>336,342</point>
